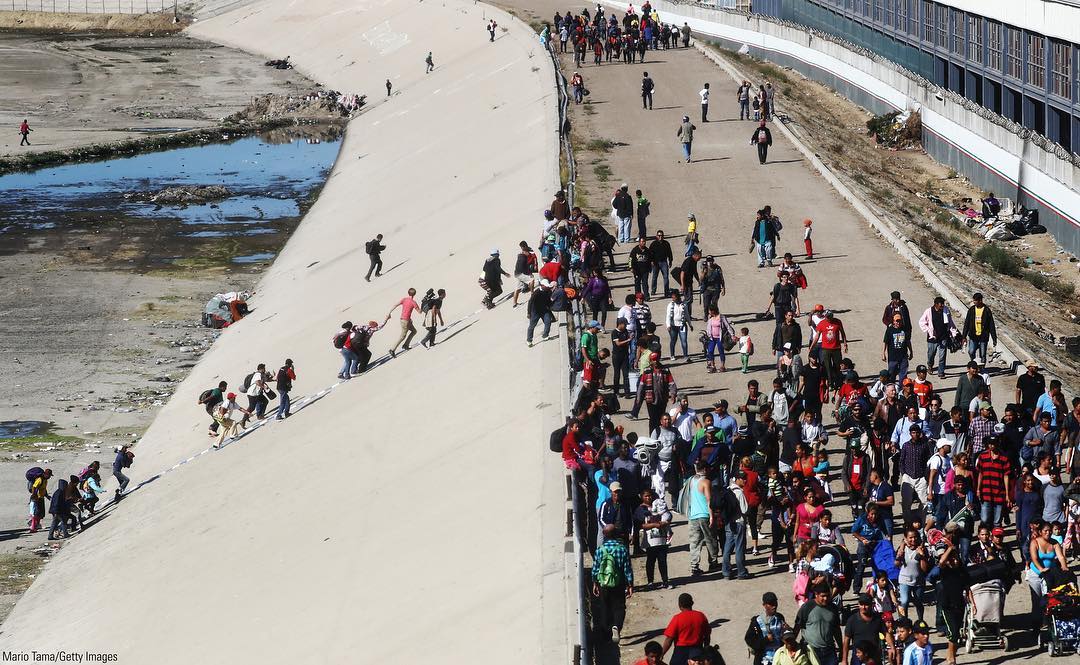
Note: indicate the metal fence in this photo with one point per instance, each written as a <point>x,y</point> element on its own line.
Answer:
<point>575,320</point>
<point>89,6</point>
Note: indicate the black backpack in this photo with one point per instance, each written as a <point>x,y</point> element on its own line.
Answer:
<point>427,301</point>
<point>246,384</point>
<point>340,338</point>
<point>555,441</point>
<point>728,506</point>
<point>370,246</point>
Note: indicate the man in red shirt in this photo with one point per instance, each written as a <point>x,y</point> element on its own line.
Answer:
<point>408,330</point>
<point>571,452</point>
<point>994,488</point>
<point>830,335</point>
<point>687,630</point>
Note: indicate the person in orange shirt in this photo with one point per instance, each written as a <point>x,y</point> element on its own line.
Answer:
<point>922,388</point>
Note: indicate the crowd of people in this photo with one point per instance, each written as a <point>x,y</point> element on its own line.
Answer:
<point>607,39</point>
<point>75,499</point>
<point>865,485</point>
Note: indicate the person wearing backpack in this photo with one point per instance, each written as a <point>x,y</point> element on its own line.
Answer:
<point>60,509</point>
<point>210,399</point>
<point>764,633</point>
<point>525,268</point>
<point>733,507</point>
<point>374,249</point>
<point>39,491</point>
<point>613,581</point>
<point>123,460</point>
<point>431,309</point>
<point>284,379</point>
<point>762,138</point>
<point>258,393</point>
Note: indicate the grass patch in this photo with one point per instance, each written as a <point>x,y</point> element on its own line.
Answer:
<point>17,572</point>
<point>588,108</point>
<point>1002,261</point>
<point>944,217</point>
<point>1054,286</point>
<point>22,444</point>
<point>774,73</point>
<point>600,145</point>
<point>602,172</point>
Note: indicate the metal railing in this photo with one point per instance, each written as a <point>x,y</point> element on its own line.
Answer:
<point>89,6</point>
<point>574,327</point>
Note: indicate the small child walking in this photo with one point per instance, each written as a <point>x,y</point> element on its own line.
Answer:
<point>808,225</point>
<point>821,471</point>
<point>746,349</point>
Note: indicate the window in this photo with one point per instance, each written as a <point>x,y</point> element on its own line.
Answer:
<point>975,39</point>
<point>877,10</point>
<point>958,32</point>
<point>928,22</point>
<point>1014,55</point>
<point>902,15</point>
<point>1062,72</point>
<point>993,51</point>
<point>889,13</point>
<point>1036,60</point>
<point>942,26</point>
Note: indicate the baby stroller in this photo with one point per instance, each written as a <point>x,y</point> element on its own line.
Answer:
<point>1063,620</point>
<point>982,623</point>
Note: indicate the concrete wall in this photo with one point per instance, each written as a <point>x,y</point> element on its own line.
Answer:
<point>993,153</point>
<point>88,6</point>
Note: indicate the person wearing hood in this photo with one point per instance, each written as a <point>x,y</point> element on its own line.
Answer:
<point>686,136</point>
<point>491,279</point>
<point>762,138</point>
<point>124,458</point>
<point>60,510</point>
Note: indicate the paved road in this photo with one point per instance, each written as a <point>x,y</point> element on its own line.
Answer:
<point>853,272</point>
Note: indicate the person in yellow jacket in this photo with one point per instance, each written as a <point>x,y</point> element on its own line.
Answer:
<point>39,491</point>
<point>792,653</point>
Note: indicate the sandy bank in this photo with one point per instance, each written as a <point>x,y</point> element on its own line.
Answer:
<point>400,515</point>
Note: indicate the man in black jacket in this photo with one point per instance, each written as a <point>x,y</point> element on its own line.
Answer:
<point>539,308</point>
<point>285,376</point>
<point>662,258</point>
<point>979,328</point>
<point>623,204</point>
<point>762,138</point>
<point>374,248</point>
<point>897,305</point>
<point>646,91</point>
<point>641,266</point>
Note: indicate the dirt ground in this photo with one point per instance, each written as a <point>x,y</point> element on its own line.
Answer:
<point>81,89</point>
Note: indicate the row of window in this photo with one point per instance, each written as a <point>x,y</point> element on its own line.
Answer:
<point>966,35</point>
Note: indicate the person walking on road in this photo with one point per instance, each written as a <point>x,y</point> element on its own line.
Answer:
<point>623,205</point>
<point>285,377</point>
<point>701,521</point>
<point>685,31</point>
<point>647,88</point>
<point>209,400</point>
<point>979,328</point>
<point>762,138</point>
<point>408,305</point>
<point>433,318</point>
<point>704,94</point>
<point>686,136</point>
<point>429,62</point>
<point>743,97</point>
<point>764,235</point>
<point>24,130</point>
<point>642,214</point>
<point>661,260</point>
<point>374,249</point>
<point>613,581</point>
<point>937,323</point>
<point>389,87</point>
<point>491,32</point>
<point>539,309</point>
<point>525,268</point>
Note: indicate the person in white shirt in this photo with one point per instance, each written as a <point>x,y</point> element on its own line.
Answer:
<point>939,464</point>
<point>877,391</point>
<point>627,312</point>
<point>677,325</point>
<point>227,415</point>
<point>704,94</point>
<point>778,398</point>
<point>684,419</point>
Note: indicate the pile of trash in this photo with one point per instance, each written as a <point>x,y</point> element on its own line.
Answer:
<point>182,194</point>
<point>896,130</point>
<point>324,105</point>
<point>224,309</point>
<point>998,220</point>
<point>280,64</point>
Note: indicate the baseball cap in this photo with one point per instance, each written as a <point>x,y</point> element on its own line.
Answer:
<point>819,307</point>
<point>895,295</point>
<point>921,627</point>
<point>769,598</point>
<point>997,531</point>
<point>654,356</point>
<point>828,312</point>
<point>883,373</point>
<point>722,403</point>
<point>787,346</point>
<point>710,428</point>
<point>615,486</point>
<point>865,599</point>
<point>920,368</point>
<point>788,634</point>
<point>594,324</point>
<point>495,252</point>
<point>984,405</point>
<point>941,443</point>
<point>739,475</point>
<point>230,396</point>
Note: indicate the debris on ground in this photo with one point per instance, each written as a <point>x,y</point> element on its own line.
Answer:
<point>182,194</point>
<point>280,64</point>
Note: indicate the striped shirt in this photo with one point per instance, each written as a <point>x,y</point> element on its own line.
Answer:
<point>992,474</point>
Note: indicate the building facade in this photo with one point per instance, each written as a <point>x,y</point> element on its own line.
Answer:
<point>1018,58</point>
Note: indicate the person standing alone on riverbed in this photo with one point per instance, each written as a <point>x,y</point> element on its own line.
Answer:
<point>25,130</point>
<point>374,248</point>
<point>429,62</point>
<point>408,330</point>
